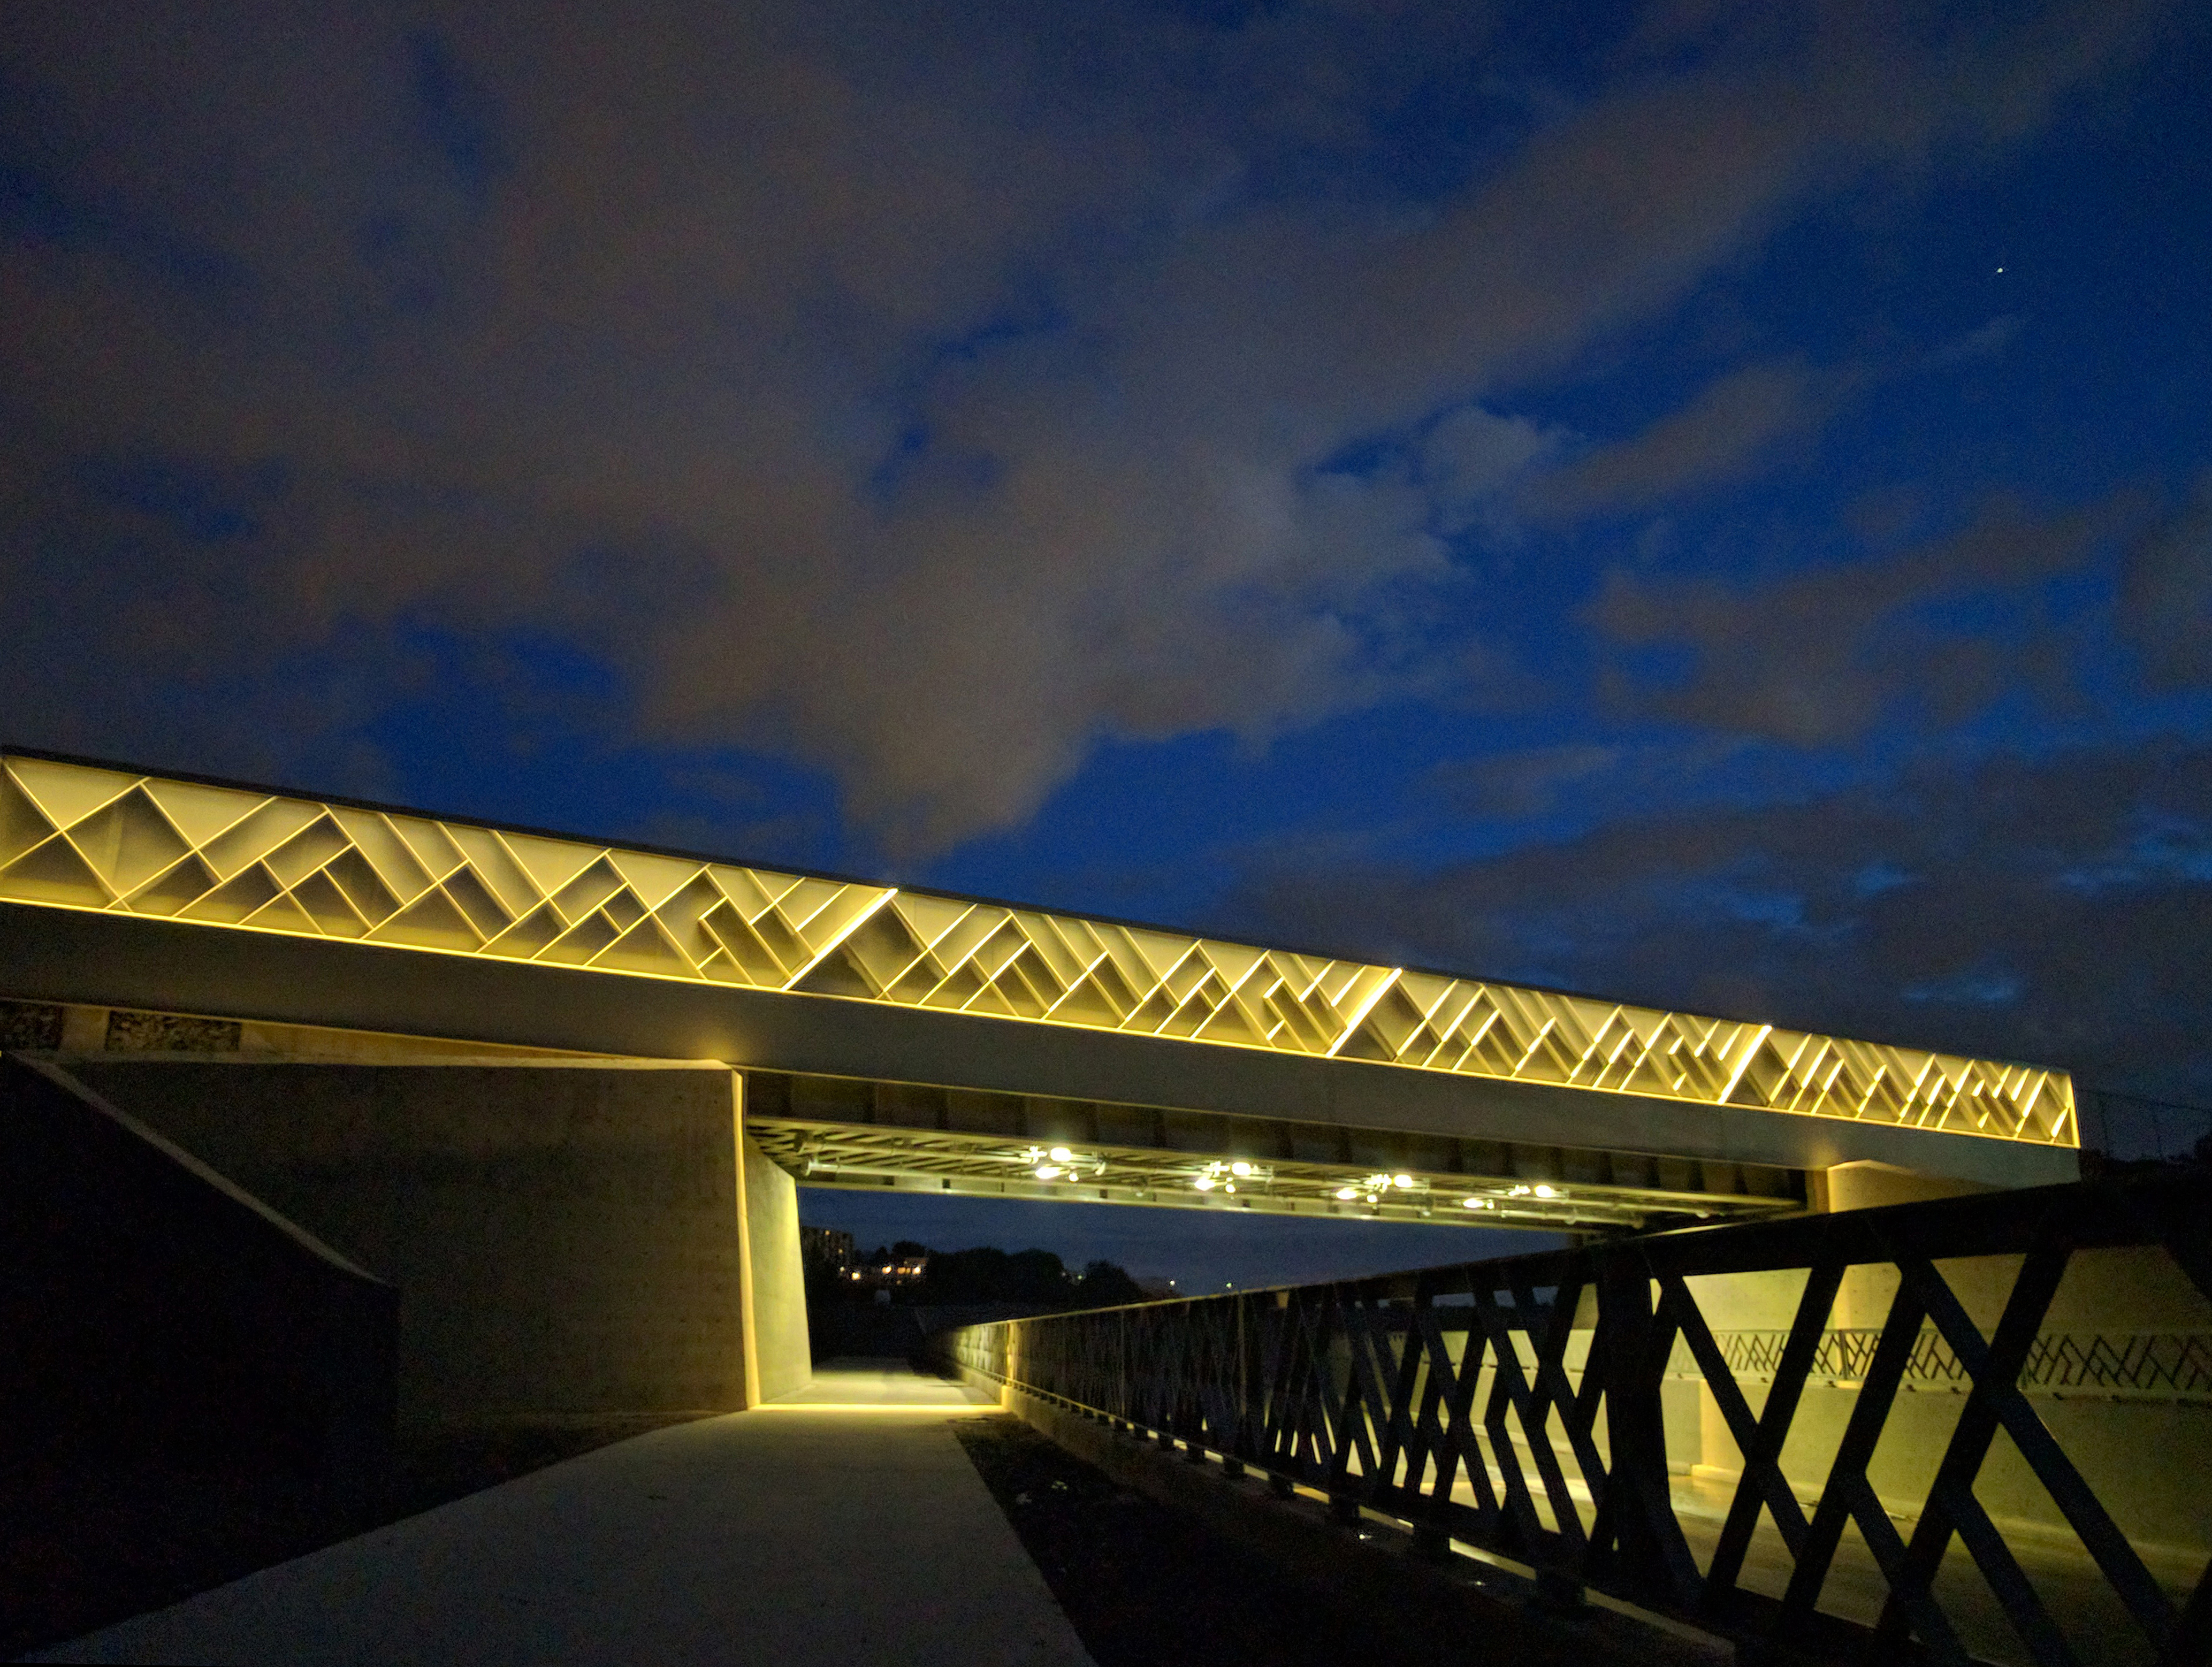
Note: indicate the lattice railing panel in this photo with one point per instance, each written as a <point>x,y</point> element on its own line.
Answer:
<point>1517,1406</point>
<point>80,837</point>
<point>2157,1364</point>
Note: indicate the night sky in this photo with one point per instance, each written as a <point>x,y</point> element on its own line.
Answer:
<point>1709,503</point>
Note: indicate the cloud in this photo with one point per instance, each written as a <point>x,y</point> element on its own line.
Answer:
<point>924,396</point>
<point>1986,341</point>
<point>1472,458</point>
<point>1524,783</point>
<point>1822,656</point>
<point>2165,593</point>
<point>2052,909</point>
<point>1722,435</point>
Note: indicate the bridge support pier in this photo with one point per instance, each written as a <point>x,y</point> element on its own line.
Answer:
<point>568,1237</point>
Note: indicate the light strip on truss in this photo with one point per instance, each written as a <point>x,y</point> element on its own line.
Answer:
<point>75,836</point>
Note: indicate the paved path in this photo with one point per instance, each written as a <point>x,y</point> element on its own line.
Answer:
<point>844,1527</point>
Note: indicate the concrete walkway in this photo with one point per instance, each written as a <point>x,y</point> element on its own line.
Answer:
<point>844,1525</point>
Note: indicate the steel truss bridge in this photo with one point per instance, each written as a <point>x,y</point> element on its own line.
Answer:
<point>901,1038</point>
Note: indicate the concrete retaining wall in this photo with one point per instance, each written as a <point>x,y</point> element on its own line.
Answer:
<point>152,1311</point>
<point>565,1237</point>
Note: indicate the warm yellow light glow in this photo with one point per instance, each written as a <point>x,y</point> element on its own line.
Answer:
<point>943,1409</point>
<point>1347,1193</point>
<point>75,836</point>
<point>1047,1172</point>
<point>1204,1183</point>
<point>1546,1191</point>
<point>1061,1154</point>
<point>1240,1169</point>
<point>1401,1180</point>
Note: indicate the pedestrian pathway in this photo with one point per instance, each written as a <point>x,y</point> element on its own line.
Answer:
<point>844,1526</point>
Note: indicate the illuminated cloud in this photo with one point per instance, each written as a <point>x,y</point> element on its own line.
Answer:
<point>925,398</point>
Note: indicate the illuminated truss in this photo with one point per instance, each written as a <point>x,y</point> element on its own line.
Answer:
<point>81,836</point>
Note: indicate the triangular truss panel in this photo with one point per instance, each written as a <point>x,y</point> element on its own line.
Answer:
<point>75,836</point>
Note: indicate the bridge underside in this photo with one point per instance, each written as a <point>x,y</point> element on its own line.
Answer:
<point>878,1136</point>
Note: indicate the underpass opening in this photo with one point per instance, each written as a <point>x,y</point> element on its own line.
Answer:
<point>880,1137</point>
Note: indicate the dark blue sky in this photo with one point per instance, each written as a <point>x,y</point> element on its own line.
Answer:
<point>1710,502</point>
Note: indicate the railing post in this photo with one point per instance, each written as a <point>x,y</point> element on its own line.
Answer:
<point>1654,1557</point>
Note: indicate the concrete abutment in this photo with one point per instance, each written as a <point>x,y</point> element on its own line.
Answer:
<point>568,1237</point>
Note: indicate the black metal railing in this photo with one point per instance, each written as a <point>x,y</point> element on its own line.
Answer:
<point>1523,1407</point>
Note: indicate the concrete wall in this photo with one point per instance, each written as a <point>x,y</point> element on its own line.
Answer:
<point>776,1278</point>
<point>152,1311</point>
<point>2125,1444</point>
<point>566,1237</point>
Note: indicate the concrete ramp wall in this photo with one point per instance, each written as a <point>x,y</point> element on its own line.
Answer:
<point>153,1313</point>
<point>565,1237</point>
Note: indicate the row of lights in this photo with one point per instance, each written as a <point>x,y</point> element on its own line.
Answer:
<point>1061,1162</point>
<point>1226,1175</point>
<point>1376,1188</point>
<point>1538,1191</point>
